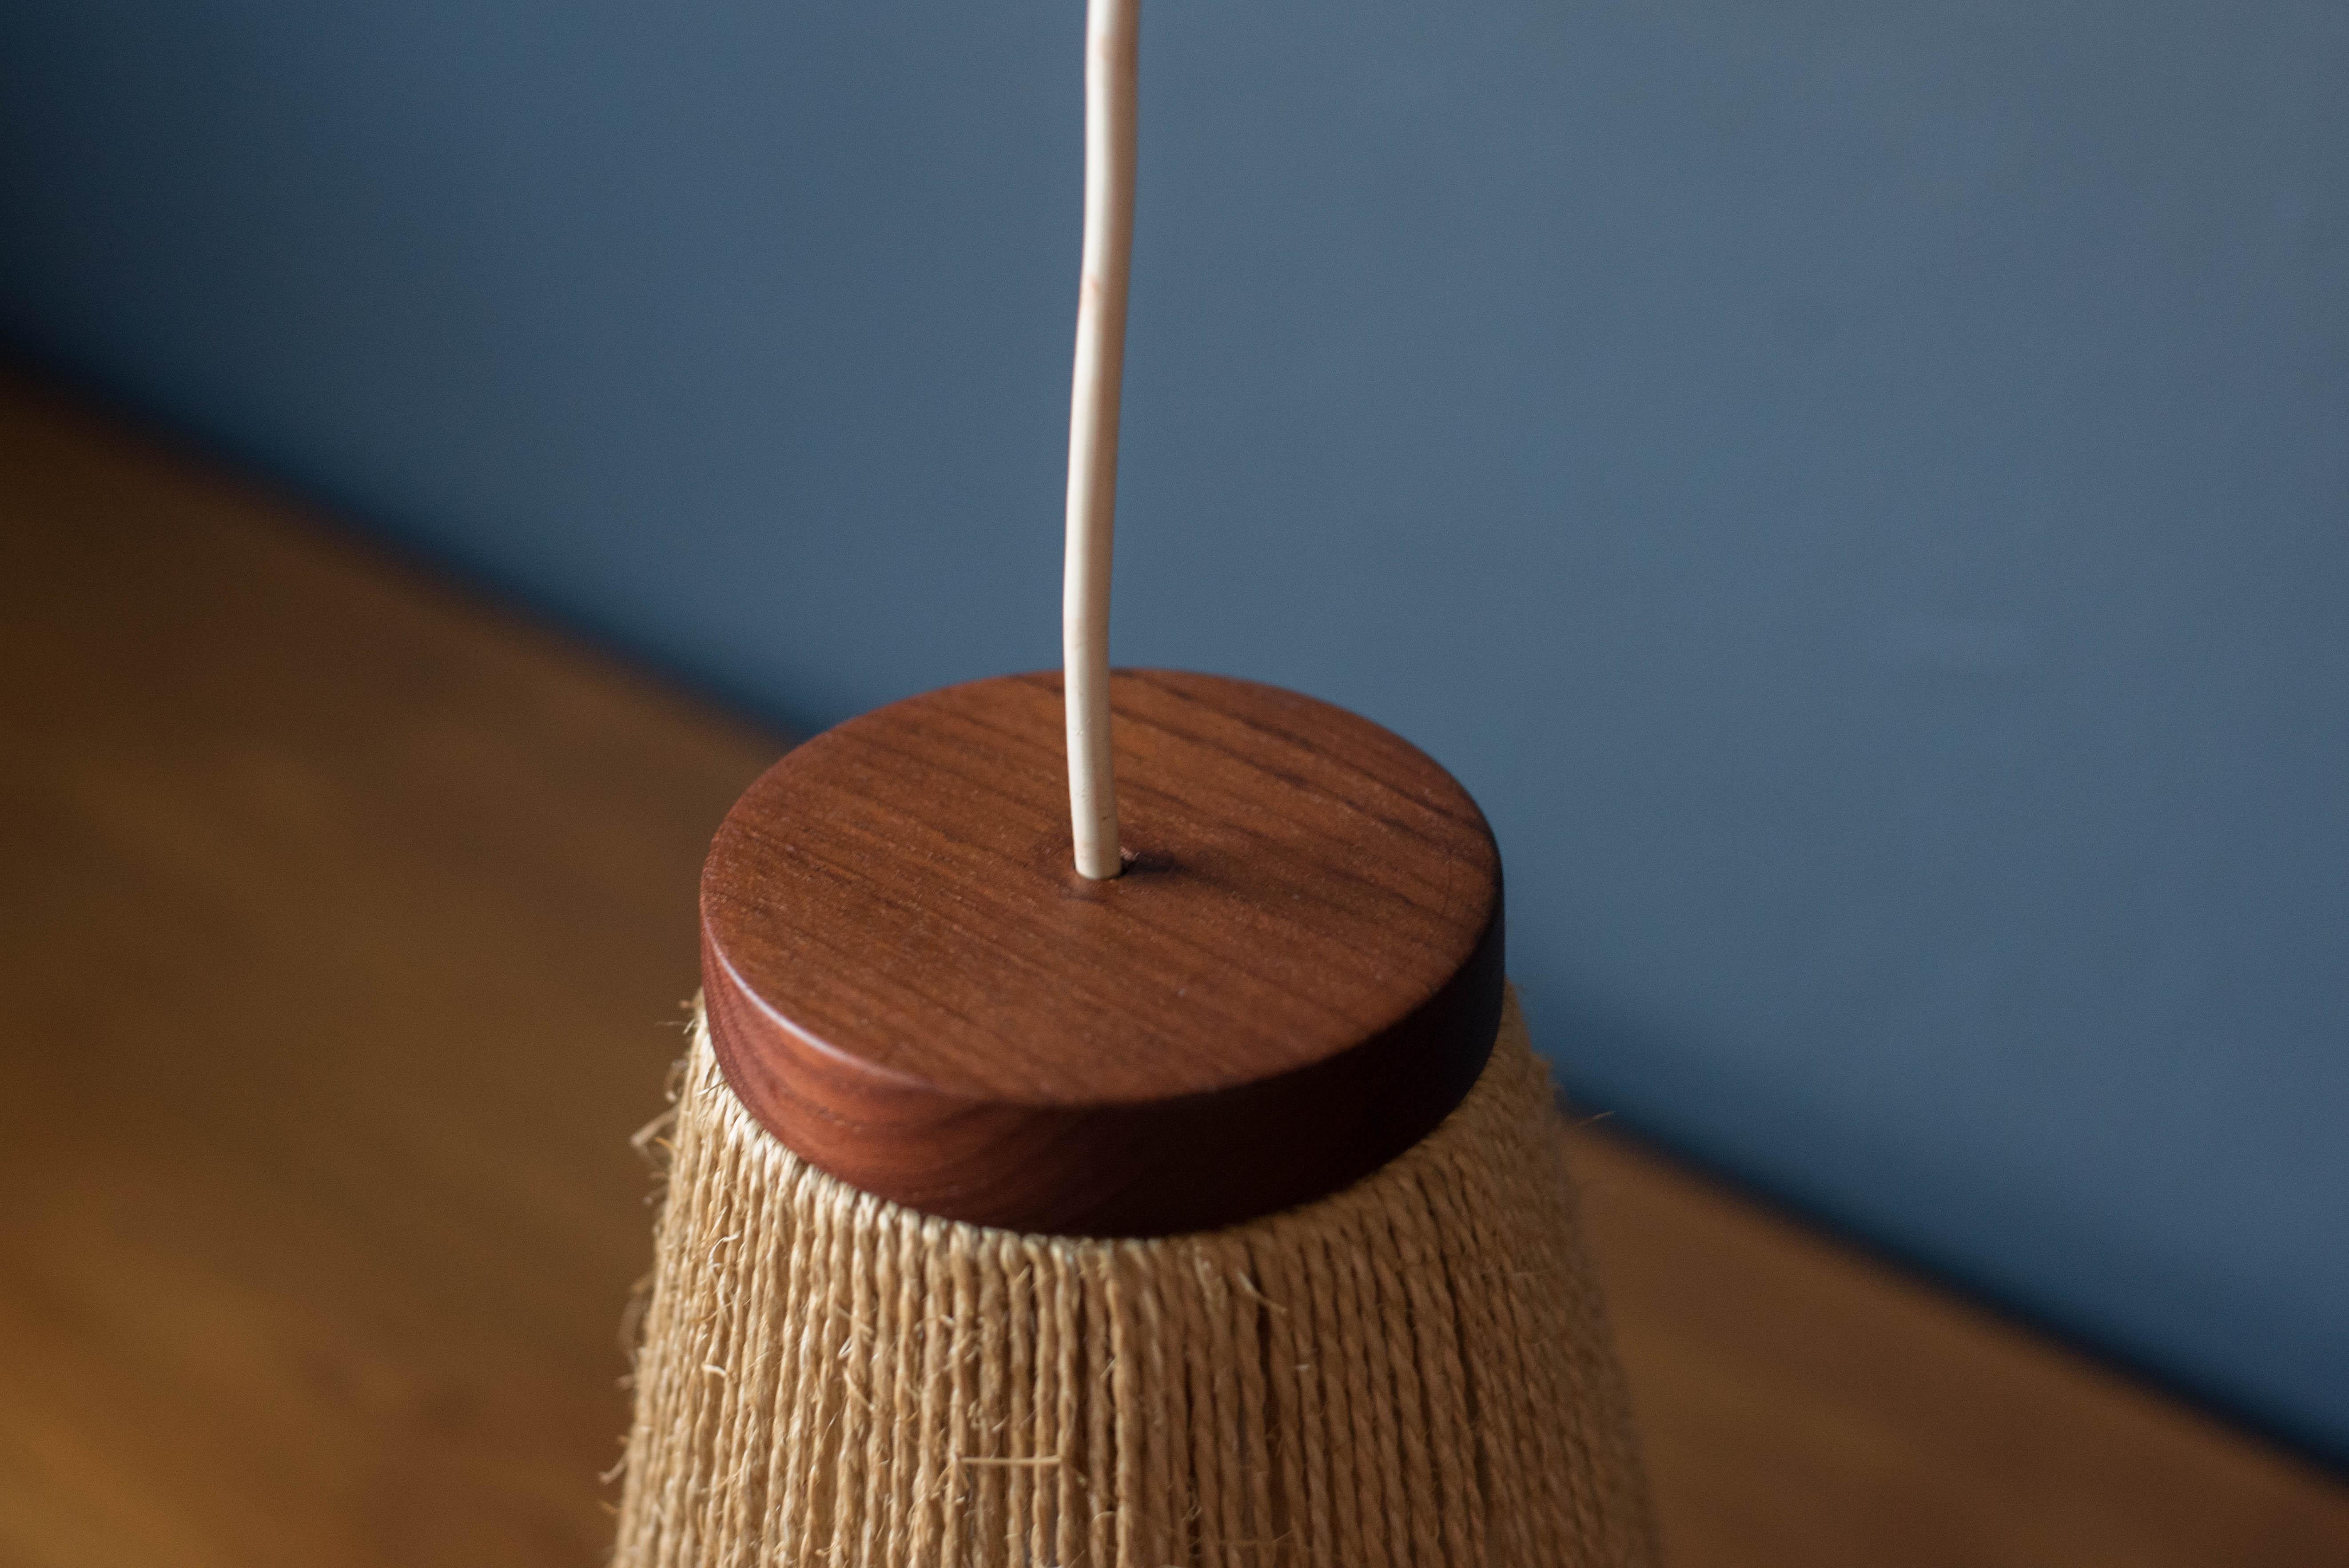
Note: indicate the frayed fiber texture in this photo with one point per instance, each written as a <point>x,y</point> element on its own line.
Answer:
<point>1413,1373</point>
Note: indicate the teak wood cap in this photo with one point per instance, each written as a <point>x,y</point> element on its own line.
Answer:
<point>1298,976</point>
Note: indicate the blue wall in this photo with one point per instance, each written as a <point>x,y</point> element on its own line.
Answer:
<point>1859,491</point>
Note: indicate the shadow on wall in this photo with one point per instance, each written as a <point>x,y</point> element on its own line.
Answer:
<point>1856,493</point>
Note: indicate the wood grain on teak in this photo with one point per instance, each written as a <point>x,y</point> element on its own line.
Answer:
<point>340,926</point>
<point>1297,977</point>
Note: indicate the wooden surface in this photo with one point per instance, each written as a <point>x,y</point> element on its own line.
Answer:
<point>1297,976</point>
<point>345,926</point>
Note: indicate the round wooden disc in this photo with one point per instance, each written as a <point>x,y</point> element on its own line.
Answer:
<point>1297,977</point>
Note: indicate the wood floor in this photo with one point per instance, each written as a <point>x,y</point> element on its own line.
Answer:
<point>344,924</point>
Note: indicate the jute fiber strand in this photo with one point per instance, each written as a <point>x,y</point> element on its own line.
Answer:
<point>1414,1371</point>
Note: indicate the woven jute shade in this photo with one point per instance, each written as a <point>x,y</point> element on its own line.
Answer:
<point>1413,1371</point>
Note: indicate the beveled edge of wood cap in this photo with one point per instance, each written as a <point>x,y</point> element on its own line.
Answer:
<point>1299,976</point>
